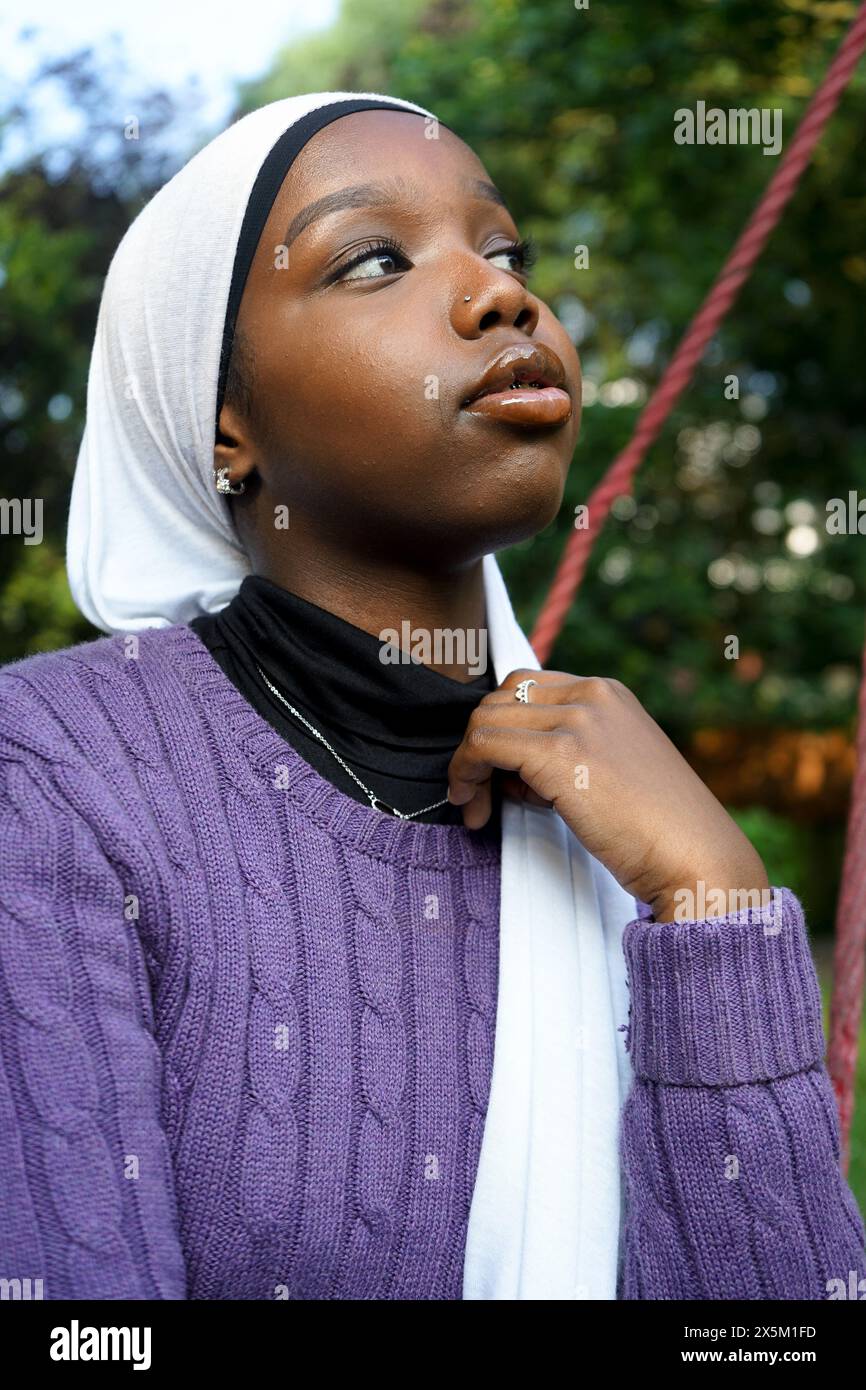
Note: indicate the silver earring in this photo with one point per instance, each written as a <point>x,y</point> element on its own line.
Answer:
<point>466,298</point>
<point>223,485</point>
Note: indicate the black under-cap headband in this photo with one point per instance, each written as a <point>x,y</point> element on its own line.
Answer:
<point>269,181</point>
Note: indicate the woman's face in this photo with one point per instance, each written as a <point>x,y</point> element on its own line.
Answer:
<point>365,354</point>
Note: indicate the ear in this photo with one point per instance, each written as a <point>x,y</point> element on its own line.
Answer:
<point>234,447</point>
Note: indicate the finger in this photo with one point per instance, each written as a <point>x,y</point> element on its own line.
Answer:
<point>557,713</point>
<point>537,694</point>
<point>524,673</point>
<point>487,747</point>
<point>552,693</point>
<point>476,811</point>
<point>516,788</point>
<point>543,677</point>
<point>552,687</point>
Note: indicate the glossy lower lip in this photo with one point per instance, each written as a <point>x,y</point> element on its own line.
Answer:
<point>527,406</point>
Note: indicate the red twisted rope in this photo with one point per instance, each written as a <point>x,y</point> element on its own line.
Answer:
<point>849,955</point>
<point>679,372</point>
<point>849,962</point>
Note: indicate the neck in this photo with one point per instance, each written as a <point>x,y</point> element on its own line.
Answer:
<point>439,618</point>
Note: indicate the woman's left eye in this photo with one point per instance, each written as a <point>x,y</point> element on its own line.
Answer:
<point>521,254</point>
<point>388,252</point>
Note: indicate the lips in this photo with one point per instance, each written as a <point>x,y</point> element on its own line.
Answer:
<point>524,385</point>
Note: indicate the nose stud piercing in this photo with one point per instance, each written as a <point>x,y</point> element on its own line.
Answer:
<point>466,298</point>
<point>221,476</point>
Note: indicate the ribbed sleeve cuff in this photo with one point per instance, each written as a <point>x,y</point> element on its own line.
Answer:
<point>724,1001</point>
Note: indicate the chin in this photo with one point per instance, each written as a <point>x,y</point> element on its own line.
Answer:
<point>527,497</point>
<point>510,515</point>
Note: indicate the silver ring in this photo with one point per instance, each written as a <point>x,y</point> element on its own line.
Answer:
<point>522,691</point>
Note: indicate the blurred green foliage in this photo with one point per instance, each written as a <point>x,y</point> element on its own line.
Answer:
<point>805,858</point>
<point>62,213</point>
<point>857,1138</point>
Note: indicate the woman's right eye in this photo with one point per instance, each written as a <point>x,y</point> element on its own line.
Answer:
<point>388,252</point>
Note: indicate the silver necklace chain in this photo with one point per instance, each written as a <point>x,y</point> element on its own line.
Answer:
<point>374,800</point>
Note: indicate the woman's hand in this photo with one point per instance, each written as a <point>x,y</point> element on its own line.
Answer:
<point>588,748</point>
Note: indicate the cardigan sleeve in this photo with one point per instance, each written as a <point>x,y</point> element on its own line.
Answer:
<point>87,1204</point>
<point>730,1133</point>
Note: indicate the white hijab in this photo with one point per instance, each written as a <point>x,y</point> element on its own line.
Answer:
<point>151,543</point>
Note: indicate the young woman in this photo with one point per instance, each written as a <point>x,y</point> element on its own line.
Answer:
<point>337,961</point>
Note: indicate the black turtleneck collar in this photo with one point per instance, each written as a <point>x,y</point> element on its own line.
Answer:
<point>395,724</point>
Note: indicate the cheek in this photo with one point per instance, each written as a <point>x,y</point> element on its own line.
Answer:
<point>555,334</point>
<point>368,395</point>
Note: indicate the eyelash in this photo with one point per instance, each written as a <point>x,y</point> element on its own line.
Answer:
<point>524,250</point>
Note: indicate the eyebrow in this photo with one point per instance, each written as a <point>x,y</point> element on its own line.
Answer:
<point>370,195</point>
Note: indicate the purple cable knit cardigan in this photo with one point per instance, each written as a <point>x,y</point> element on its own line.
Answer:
<point>247,1026</point>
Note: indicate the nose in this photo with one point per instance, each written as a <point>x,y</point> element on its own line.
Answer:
<point>488,298</point>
